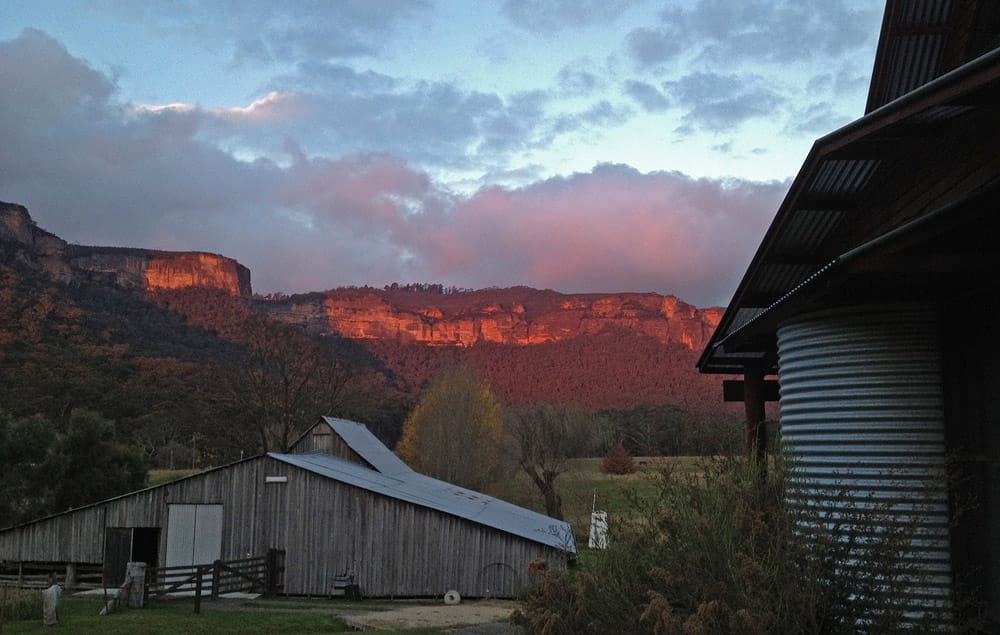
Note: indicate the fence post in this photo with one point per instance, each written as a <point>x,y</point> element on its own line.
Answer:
<point>197,589</point>
<point>216,573</point>
<point>269,572</point>
<point>70,576</point>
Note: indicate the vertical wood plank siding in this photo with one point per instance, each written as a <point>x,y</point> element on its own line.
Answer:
<point>321,439</point>
<point>327,528</point>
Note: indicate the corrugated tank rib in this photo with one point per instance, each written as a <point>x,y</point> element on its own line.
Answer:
<point>862,419</point>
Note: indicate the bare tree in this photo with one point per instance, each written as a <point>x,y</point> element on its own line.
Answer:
<point>286,381</point>
<point>545,438</point>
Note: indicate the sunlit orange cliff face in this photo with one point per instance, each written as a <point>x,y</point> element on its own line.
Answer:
<point>152,269</point>
<point>125,267</point>
<point>517,316</point>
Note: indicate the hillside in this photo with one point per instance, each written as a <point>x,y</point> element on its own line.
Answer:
<point>150,338</point>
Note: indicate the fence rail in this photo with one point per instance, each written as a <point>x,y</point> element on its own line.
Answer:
<point>39,575</point>
<point>262,574</point>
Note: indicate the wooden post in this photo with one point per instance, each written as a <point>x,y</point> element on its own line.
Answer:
<point>197,589</point>
<point>270,571</point>
<point>70,582</point>
<point>216,574</point>
<point>753,405</point>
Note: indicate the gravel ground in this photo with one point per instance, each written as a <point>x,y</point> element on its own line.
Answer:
<point>466,618</point>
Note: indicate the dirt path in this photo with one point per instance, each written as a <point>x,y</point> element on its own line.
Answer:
<point>432,616</point>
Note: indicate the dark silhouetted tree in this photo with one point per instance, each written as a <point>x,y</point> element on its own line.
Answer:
<point>286,381</point>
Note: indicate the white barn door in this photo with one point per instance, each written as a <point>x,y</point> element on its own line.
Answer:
<point>194,534</point>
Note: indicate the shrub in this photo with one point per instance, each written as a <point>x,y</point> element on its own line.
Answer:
<point>618,461</point>
<point>718,552</point>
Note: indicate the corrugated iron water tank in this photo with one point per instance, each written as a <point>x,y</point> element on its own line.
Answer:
<point>862,421</point>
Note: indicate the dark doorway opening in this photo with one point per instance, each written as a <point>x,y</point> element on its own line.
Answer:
<point>128,544</point>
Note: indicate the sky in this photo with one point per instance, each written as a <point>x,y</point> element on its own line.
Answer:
<point>575,145</point>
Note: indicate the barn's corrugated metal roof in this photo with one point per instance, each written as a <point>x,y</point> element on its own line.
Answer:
<point>441,496</point>
<point>360,439</point>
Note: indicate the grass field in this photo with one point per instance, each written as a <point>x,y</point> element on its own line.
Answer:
<point>80,615</point>
<point>158,477</point>
<point>584,479</point>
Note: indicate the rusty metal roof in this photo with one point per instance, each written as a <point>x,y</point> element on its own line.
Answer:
<point>920,152</point>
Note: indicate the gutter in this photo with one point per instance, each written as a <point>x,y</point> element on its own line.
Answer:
<point>849,256</point>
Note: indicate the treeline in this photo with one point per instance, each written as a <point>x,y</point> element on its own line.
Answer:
<point>614,370</point>
<point>171,374</point>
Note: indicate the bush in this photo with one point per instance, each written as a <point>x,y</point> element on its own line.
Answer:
<point>20,604</point>
<point>718,552</point>
<point>618,461</point>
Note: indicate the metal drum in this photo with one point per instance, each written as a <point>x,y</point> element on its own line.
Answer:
<point>862,422</point>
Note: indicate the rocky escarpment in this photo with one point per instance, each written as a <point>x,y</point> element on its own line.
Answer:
<point>125,267</point>
<point>31,244</point>
<point>154,269</point>
<point>519,316</point>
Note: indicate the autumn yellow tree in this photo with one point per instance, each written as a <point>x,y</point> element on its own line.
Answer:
<point>456,431</point>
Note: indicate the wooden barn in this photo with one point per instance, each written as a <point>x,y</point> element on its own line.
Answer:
<point>875,298</point>
<point>340,506</point>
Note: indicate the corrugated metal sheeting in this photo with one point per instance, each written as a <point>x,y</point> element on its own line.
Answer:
<point>441,496</point>
<point>360,439</point>
<point>862,414</point>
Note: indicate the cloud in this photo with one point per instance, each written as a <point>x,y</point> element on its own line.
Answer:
<point>613,228</point>
<point>652,46</point>
<point>766,31</point>
<point>647,96</point>
<point>722,102</point>
<point>96,171</point>
<point>578,79</point>
<point>281,32</point>
<point>548,16</point>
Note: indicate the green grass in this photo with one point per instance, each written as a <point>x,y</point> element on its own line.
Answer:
<point>583,479</point>
<point>80,615</point>
<point>159,477</point>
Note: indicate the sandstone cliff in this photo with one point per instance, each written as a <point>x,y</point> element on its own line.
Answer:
<point>518,316</point>
<point>125,267</point>
<point>154,269</point>
<point>32,244</point>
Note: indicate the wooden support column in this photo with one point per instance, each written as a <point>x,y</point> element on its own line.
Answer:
<point>753,405</point>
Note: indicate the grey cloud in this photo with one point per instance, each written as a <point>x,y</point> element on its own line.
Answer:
<point>548,16</point>
<point>578,79</point>
<point>313,76</point>
<point>283,32</point>
<point>649,46</point>
<point>782,31</point>
<point>647,96</point>
<point>816,120</point>
<point>775,31</point>
<point>722,102</point>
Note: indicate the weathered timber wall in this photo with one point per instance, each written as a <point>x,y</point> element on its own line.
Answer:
<point>78,535</point>
<point>326,528</point>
